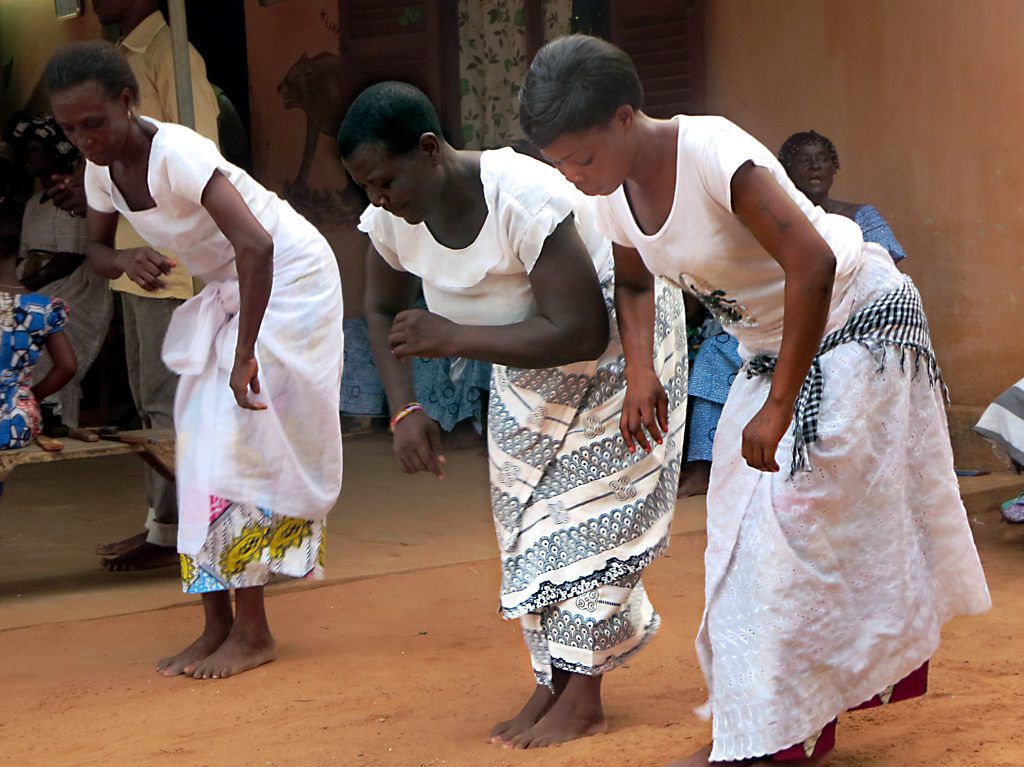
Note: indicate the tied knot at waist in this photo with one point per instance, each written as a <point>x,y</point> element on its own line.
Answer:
<point>195,325</point>
<point>895,320</point>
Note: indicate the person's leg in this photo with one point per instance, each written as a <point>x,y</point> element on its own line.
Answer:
<point>544,694</point>
<point>576,712</point>
<point>155,397</point>
<point>131,358</point>
<point>618,619</point>
<point>249,643</point>
<point>216,627</point>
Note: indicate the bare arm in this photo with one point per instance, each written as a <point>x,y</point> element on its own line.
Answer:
<point>786,233</point>
<point>388,293</point>
<point>100,229</point>
<point>65,365</point>
<point>145,266</point>
<point>572,323</point>
<point>58,266</point>
<point>254,260</point>
<point>417,440</point>
<point>646,403</point>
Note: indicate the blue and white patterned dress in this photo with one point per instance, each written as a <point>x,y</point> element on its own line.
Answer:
<point>26,321</point>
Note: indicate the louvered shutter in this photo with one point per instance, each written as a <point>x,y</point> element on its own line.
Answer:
<point>665,39</point>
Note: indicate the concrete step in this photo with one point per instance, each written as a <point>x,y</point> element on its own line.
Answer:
<point>982,494</point>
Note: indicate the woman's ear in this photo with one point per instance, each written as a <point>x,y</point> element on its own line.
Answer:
<point>625,116</point>
<point>127,99</point>
<point>430,145</point>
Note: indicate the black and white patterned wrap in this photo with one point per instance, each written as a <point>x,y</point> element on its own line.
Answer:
<point>573,509</point>
<point>894,320</point>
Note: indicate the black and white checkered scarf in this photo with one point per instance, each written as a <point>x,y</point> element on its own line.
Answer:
<point>894,320</point>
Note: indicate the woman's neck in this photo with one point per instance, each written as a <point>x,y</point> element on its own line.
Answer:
<point>136,145</point>
<point>655,154</point>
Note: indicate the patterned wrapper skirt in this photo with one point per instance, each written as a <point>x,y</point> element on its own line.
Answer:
<point>577,516</point>
<point>247,546</point>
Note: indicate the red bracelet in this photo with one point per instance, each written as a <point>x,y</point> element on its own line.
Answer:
<point>409,409</point>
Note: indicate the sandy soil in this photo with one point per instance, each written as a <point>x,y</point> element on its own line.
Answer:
<point>413,668</point>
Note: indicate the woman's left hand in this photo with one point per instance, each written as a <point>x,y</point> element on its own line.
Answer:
<point>245,376</point>
<point>418,333</point>
<point>762,435</point>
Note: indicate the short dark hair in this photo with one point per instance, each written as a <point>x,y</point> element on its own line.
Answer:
<point>391,113</point>
<point>576,83</point>
<point>93,61</point>
<point>792,145</point>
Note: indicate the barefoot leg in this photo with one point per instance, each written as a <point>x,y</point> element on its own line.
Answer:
<point>577,713</point>
<point>217,615</point>
<point>123,546</point>
<point>538,704</point>
<point>694,478</point>
<point>249,643</point>
<point>145,556</point>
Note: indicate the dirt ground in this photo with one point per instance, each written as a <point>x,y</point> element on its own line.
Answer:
<point>401,659</point>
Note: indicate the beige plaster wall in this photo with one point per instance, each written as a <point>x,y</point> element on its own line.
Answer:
<point>29,34</point>
<point>923,99</point>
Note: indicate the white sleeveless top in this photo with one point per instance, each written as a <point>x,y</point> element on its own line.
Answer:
<point>706,249</point>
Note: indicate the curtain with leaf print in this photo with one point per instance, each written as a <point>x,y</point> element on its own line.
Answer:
<point>493,63</point>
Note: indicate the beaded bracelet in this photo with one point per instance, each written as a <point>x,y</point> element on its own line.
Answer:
<point>409,409</point>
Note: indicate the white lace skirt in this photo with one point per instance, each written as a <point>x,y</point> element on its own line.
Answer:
<point>827,586</point>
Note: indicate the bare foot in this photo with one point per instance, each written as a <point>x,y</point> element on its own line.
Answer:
<point>202,648</point>
<point>240,652</point>
<point>694,478</point>
<point>143,557</point>
<point>577,713</point>
<point>538,705</point>
<point>121,547</point>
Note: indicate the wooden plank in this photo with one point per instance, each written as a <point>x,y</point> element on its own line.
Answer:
<point>158,444</point>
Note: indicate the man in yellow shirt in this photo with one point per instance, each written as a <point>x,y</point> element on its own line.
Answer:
<point>146,44</point>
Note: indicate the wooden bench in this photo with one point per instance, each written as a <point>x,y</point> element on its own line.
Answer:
<point>154,446</point>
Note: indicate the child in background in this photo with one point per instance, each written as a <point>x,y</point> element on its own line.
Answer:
<point>29,323</point>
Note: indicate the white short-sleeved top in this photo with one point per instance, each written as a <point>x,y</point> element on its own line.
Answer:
<point>706,249</point>
<point>181,164</point>
<point>487,283</point>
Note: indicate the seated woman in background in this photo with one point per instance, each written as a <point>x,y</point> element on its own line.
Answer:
<point>29,323</point>
<point>811,162</point>
<point>1002,424</point>
<point>53,244</point>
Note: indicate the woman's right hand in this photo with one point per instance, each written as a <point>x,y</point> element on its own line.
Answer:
<point>645,407</point>
<point>145,267</point>
<point>417,444</point>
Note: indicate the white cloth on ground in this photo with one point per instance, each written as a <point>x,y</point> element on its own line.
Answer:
<point>286,458</point>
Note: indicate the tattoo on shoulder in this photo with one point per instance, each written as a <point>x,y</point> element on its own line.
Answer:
<point>782,225</point>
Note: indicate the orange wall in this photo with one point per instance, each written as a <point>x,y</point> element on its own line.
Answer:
<point>923,99</point>
<point>276,37</point>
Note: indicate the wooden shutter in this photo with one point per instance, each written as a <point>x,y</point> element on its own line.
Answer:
<point>407,40</point>
<point>665,39</point>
